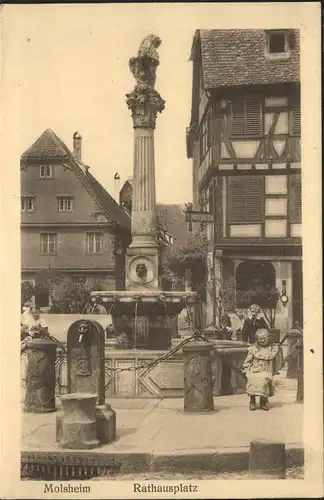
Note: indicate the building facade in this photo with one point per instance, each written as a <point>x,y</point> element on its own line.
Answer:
<point>71,228</point>
<point>244,141</point>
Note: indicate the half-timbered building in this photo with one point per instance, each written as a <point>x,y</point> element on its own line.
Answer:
<point>244,141</point>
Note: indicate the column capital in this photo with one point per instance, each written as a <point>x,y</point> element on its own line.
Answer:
<point>144,102</point>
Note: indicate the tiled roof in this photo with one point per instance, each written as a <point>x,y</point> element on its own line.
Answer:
<point>47,146</point>
<point>237,57</point>
<point>111,207</point>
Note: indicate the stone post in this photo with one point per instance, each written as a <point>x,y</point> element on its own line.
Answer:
<point>198,382</point>
<point>78,429</point>
<point>40,379</point>
<point>300,371</point>
<point>267,460</point>
<point>294,337</point>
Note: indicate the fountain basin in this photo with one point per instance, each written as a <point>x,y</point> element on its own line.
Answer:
<point>144,319</point>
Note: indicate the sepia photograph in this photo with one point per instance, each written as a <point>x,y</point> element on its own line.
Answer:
<point>163,238</point>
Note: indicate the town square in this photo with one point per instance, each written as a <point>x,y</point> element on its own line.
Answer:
<point>162,281</point>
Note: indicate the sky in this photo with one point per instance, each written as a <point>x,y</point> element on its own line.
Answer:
<point>65,67</point>
<point>71,73</point>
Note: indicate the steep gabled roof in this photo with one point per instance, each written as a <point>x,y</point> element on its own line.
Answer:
<point>47,146</point>
<point>113,209</point>
<point>237,57</point>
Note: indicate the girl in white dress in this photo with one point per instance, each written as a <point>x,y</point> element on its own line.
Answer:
<point>259,369</point>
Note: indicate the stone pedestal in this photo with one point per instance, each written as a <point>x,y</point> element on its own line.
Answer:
<point>77,427</point>
<point>198,383</point>
<point>267,460</point>
<point>105,418</point>
<point>40,378</point>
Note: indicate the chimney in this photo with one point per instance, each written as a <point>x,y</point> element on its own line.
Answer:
<point>77,146</point>
<point>116,187</point>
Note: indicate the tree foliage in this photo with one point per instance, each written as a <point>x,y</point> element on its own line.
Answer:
<point>191,256</point>
<point>27,290</point>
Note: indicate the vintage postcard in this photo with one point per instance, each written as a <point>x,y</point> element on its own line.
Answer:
<point>161,291</point>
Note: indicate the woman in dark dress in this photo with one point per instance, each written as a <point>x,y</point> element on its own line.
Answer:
<point>253,323</point>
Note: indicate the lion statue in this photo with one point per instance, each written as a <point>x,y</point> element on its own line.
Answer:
<point>148,47</point>
<point>143,67</point>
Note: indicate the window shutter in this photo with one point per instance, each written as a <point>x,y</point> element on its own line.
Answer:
<point>246,116</point>
<point>238,117</point>
<point>245,199</point>
<point>295,199</point>
<point>295,118</point>
<point>253,116</point>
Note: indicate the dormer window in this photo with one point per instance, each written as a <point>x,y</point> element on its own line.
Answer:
<point>277,44</point>
<point>45,171</point>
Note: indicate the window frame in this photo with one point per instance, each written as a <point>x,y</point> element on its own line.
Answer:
<point>88,250</point>
<point>243,100</point>
<point>65,199</point>
<point>47,251</point>
<point>245,220</point>
<point>205,135</point>
<point>26,199</point>
<point>278,55</point>
<point>46,175</point>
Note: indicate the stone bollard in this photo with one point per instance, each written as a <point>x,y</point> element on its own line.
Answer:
<point>77,427</point>
<point>267,460</point>
<point>294,336</point>
<point>198,382</point>
<point>300,372</point>
<point>40,378</point>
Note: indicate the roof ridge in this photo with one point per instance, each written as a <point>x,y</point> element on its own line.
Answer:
<point>47,145</point>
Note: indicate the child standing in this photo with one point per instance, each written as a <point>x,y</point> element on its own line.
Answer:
<point>259,369</point>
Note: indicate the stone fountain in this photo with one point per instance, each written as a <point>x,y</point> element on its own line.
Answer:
<point>142,312</point>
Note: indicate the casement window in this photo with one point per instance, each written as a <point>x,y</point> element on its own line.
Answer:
<point>245,114</point>
<point>27,203</point>
<point>48,243</point>
<point>245,199</point>
<point>45,172</point>
<point>295,198</point>
<point>65,203</point>
<point>94,242</point>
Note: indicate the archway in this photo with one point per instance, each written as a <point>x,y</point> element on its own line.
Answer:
<point>255,284</point>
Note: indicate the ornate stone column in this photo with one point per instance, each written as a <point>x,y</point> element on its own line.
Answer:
<point>144,102</point>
